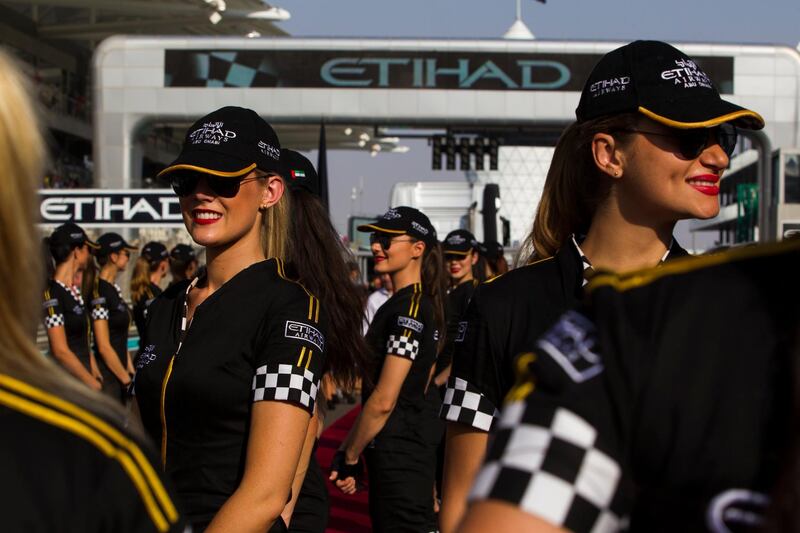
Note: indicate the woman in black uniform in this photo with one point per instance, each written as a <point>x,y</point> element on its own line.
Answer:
<point>111,316</point>
<point>65,317</point>
<point>149,270</point>
<point>67,462</point>
<point>663,405</point>
<point>398,428</point>
<point>652,149</point>
<point>228,376</point>
<point>182,263</point>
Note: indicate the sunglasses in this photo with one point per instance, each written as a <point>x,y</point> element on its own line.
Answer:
<point>384,240</point>
<point>454,257</point>
<point>184,183</point>
<point>692,142</point>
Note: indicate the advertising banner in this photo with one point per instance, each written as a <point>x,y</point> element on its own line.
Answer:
<point>102,208</point>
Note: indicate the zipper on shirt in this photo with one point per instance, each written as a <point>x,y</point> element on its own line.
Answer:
<point>164,413</point>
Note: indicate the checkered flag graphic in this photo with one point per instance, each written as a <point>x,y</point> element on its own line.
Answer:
<point>99,313</point>
<point>402,346</point>
<point>465,404</point>
<point>285,382</point>
<point>53,321</point>
<point>546,462</point>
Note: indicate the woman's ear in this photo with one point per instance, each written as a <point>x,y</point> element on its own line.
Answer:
<point>607,157</point>
<point>274,189</point>
<point>474,259</point>
<point>417,249</point>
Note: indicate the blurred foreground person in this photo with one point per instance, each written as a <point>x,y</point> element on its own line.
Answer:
<point>664,405</point>
<point>651,142</point>
<point>67,463</point>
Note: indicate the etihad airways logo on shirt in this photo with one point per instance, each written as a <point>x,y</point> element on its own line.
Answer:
<point>211,133</point>
<point>410,323</point>
<point>305,332</point>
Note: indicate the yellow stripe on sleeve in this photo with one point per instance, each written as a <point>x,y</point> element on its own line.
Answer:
<point>302,354</point>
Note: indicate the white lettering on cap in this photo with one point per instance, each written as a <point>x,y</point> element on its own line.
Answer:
<point>456,239</point>
<point>391,214</point>
<point>419,227</point>
<point>212,133</point>
<point>611,85</point>
<point>687,74</point>
<point>269,150</point>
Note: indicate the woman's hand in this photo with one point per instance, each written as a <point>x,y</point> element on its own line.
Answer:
<point>345,473</point>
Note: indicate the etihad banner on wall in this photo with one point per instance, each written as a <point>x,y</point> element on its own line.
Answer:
<point>377,69</point>
<point>102,208</point>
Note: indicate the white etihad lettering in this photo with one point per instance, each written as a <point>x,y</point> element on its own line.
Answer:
<point>687,74</point>
<point>456,239</point>
<point>269,150</point>
<point>611,85</point>
<point>305,332</point>
<point>419,227</point>
<point>391,214</point>
<point>410,323</point>
<point>211,133</point>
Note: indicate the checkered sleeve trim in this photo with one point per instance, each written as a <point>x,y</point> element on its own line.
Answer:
<point>465,404</point>
<point>402,346</point>
<point>53,321</point>
<point>545,461</point>
<point>286,383</point>
<point>99,313</point>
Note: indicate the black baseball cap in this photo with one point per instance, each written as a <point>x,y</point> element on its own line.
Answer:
<point>299,172</point>
<point>459,242</point>
<point>111,243</point>
<point>183,252</point>
<point>662,83</point>
<point>229,142</point>
<point>491,250</point>
<point>403,220</point>
<point>71,234</point>
<point>154,251</point>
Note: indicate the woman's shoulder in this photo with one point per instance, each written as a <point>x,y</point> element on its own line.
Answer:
<point>520,281</point>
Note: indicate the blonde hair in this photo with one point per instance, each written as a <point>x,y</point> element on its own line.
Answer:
<point>573,188</point>
<point>140,279</point>
<point>275,227</point>
<point>22,157</point>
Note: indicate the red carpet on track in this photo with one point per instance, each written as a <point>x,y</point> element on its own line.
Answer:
<point>349,514</point>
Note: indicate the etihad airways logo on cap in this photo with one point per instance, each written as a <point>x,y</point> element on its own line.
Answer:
<point>419,227</point>
<point>688,74</point>
<point>391,214</point>
<point>456,239</point>
<point>269,150</point>
<point>212,133</point>
<point>611,85</point>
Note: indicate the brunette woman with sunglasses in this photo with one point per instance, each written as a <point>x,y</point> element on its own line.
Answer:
<point>65,317</point>
<point>398,429</point>
<point>651,142</point>
<point>111,316</point>
<point>228,376</point>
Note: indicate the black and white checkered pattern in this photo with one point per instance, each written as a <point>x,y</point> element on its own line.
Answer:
<point>465,404</point>
<point>545,461</point>
<point>402,346</point>
<point>588,270</point>
<point>99,313</point>
<point>285,382</point>
<point>53,321</point>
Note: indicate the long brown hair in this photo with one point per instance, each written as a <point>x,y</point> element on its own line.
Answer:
<point>22,156</point>
<point>298,230</point>
<point>140,278</point>
<point>573,189</point>
<point>434,284</point>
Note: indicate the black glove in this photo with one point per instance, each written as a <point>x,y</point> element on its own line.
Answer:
<point>345,470</point>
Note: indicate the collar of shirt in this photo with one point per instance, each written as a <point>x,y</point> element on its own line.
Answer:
<point>588,270</point>
<point>73,290</point>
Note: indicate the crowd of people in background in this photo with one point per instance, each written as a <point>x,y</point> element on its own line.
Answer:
<point>565,394</point>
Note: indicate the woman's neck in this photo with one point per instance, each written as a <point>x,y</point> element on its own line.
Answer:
<point>461,281</point>
<point>225,262</point>
<point>615,244</point>
<point>109,272</point>
<point>65,272</point>
<point>155,277</point>
<point>407,276</point>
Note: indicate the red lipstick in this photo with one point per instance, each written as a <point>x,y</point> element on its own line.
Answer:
<point>705,183</point>
<point>204,217</point>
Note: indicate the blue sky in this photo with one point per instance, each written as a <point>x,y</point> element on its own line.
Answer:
<point>731,21</point>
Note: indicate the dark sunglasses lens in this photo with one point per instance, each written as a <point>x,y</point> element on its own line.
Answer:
<point>183,184</point>
<point>383,240</point>
<point>727,136</point>
<point>692,142</point>
<point>224,187</point>
<point>454,257</point>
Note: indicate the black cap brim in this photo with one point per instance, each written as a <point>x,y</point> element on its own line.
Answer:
<point>370,228</point>
<point>451,251</point>
<point>92,244</point>
<point>693,114</point>
<point>214,163</point>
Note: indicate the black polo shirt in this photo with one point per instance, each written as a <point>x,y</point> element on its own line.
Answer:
<point>455,307</point>
<point>258,337</point>
<point>107,304</point>
<point>404,326</point>
<point>505,317</point>
<point>665,404</point>
<point>63,306</point>
<point>140,307</point>
<point>65,469</point>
